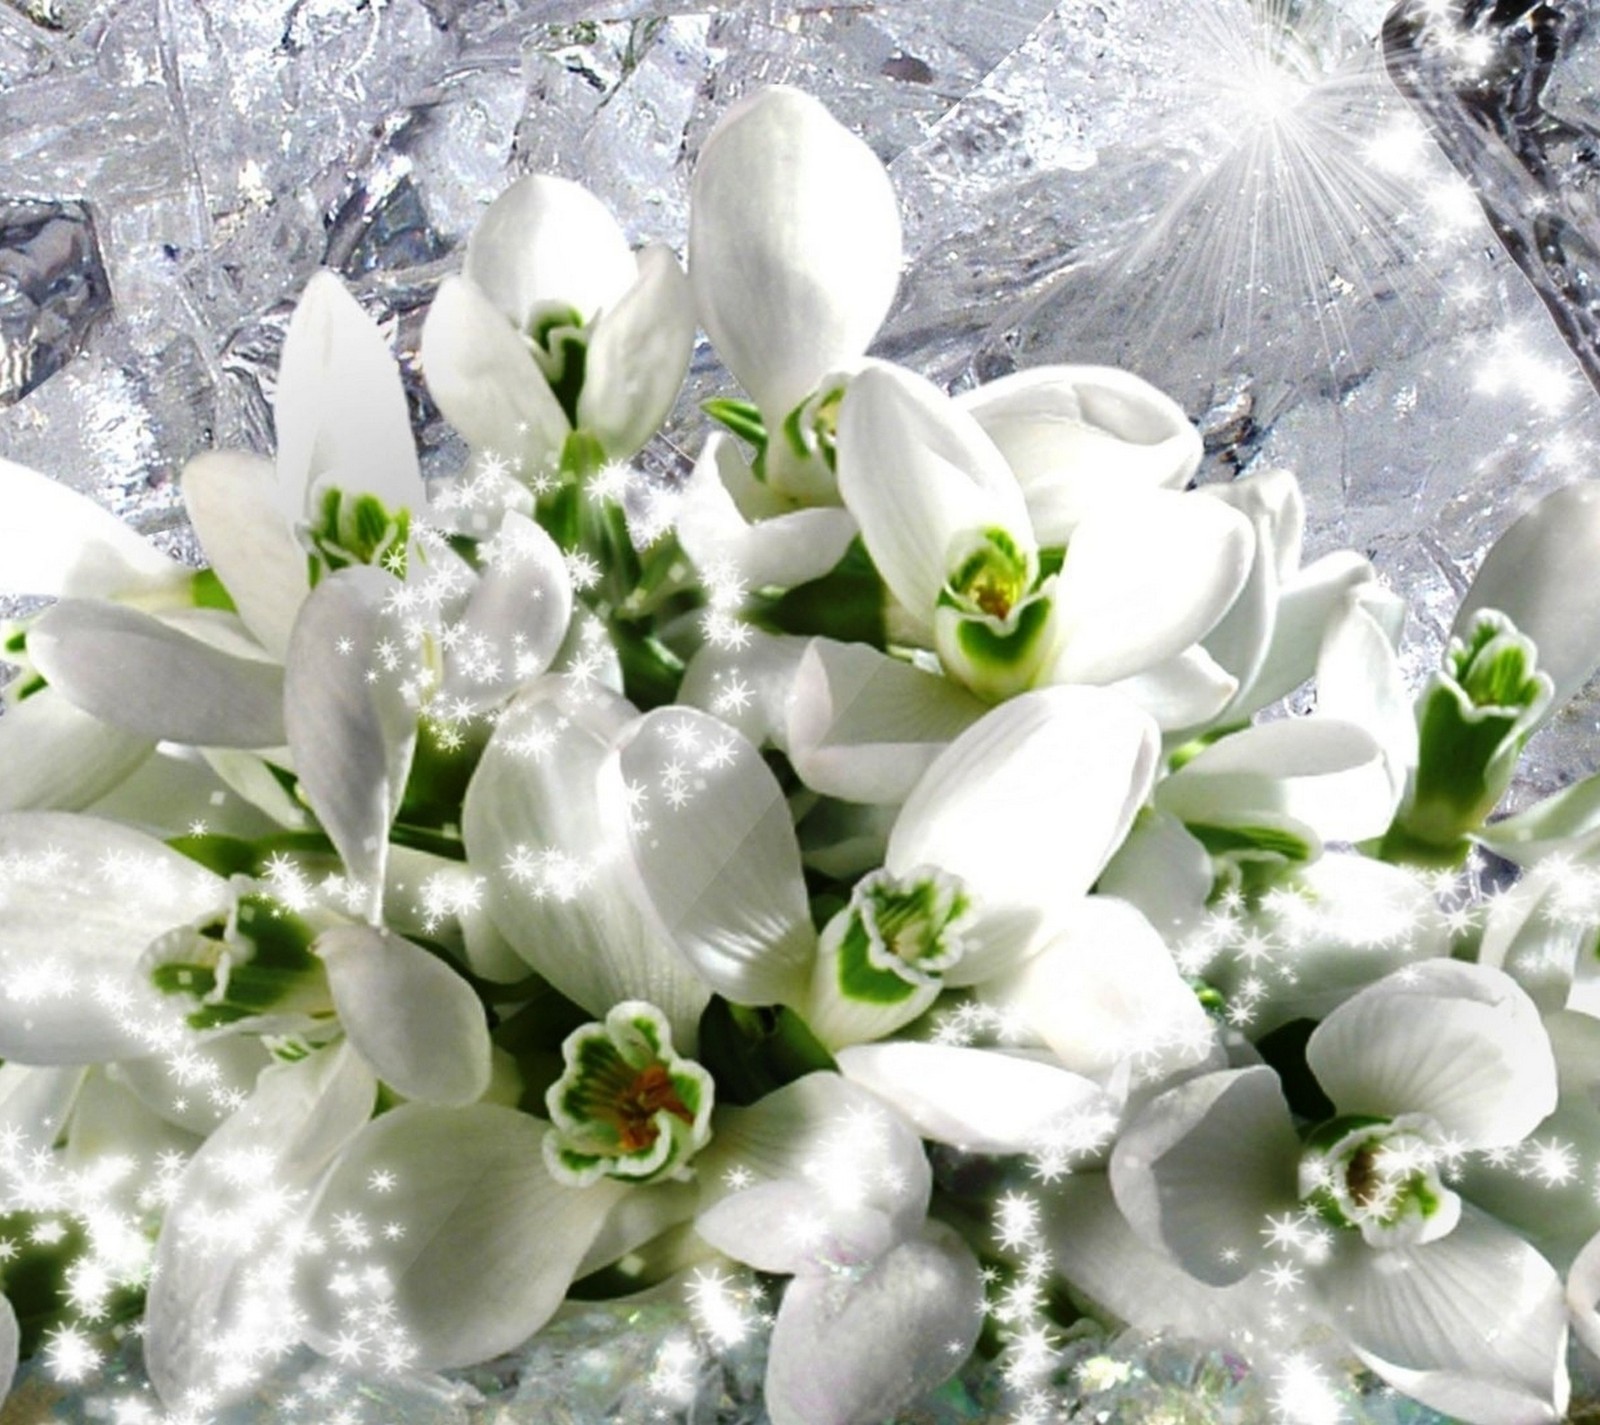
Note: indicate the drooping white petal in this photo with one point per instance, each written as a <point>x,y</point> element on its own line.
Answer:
<point>1104,991</point>
<point>1359,681</point>
<point>854,1350</point>
<point>981,1100</point>
<point>1538,573</point>
<point>1564,824</point>
<point>415,1021</point>
<point>137,673</point>
<point>918,473</point>
<point>491,1240</point>
<point>637,357</point>
<point>1203,1165</point>
<point>1144,579</point>
<point>780,549</point>
<point>110,1121</point>
<point>176,792</point>
<point>830,1133</point>
<point>1307,605</point>
<point>1344,923</point>
<point>796,1228</point>
<point>35,1102</point>
<point>57,543</point>
<point>350,728</point>
<point>10,1347</point>
<point>1185,691</point>
<point>532,826</point>
<point>59,758</point>
<point>713,853</point>
<point>1330,776</point>
<point>225,1069</point>
<point>340,410</point>
<point>80,901</point>
<point>1093,1247</point>
<point>1473,1324</point>
<point>1080,436</point>
<point>749,688</point>
<point>1460,1042</point>
<point>794,245</point>
<point>865,727</point>
<point>1583,1295</point>
<point>636,1218</point>
<point>232,501</point>
<point>516,618</point>
<point>1526,934</point>
<point>485,380</point>
<point>1028,804</point>
<point>548,242</point>
<point>1164,871</point>
<point>277,1143</point>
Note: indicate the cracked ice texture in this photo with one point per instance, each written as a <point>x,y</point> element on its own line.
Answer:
<point>1246,214</point>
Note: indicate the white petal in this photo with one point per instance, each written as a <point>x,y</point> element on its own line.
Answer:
<point>1307,605</point>
<point>531,824</point>
<point>853,1351</point>
<point>109,1121</point>
<point>10,1347</point>
<point>1079,436</point>
<point>638,354</point>
<point>491,1240</point>
<point>794,1227</point>
<point>1460,1042</point>
<point>1473,1324</point>
<point>749,688</point>
<point>485,380</point>
<point>1185,691</point>
<point>58,758</point>
<point>516,619</point>
<point>794,245</point>
<point>980,1100</point>
<point>1527,935</point>
<point>1165,872</point>
<point>1583,1295</point>
<point>415,1021</point>
<point>299,1116</point>
<point>637,1218</point>
<point>1098,1253</point>
<point>231,1063</point>
<point>340,411</point>
<point>35,1102</point>
<point>137,673</point>
<point>57,543</point>
<point>232,501</point>
<point>865,727</point>
<point>917,472</point>
<point>176,791</point>
<point>547,242</point>
<point>1330,776</point>
<point>1144,579</point>
<point>1028,804</point>
<point>829,1133</point>
<point>1103,991</point>
<point>1563,825</point>
<point>1538,572</point>
<point>1201,1168</point>
<point>79,998</point>
<point>781,550</point>
<point>1359,681</point>
<point>350,728</point>
<point>714,853</point>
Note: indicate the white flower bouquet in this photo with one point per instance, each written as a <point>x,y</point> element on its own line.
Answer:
<point>882,862</point>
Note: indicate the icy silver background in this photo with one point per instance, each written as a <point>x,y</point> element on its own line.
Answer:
<point>1228,198</point>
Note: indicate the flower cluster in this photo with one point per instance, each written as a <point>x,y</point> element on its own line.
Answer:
<point>882,856</point>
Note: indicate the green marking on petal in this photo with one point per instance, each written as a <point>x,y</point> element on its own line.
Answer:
<point>349,530</point>
<point>627,1106</point>
<point>990,574</point>
<point>1378,1176</point>
<point>899,934</point>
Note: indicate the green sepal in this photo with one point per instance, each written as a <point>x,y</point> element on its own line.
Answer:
<point>750,1052</point>
<point>742,418</point>
<point>849,603</point>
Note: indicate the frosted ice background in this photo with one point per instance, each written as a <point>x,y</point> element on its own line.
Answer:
<point>1229,198</point>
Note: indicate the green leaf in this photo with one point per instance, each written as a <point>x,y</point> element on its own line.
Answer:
<point>849,603</point>
<point>752,1052</point>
